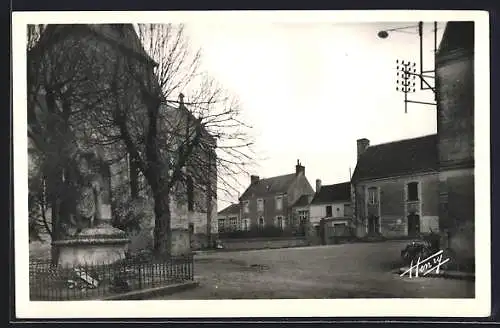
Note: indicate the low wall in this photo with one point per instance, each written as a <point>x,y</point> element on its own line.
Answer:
<point>200,241</point>
<point>261,243</point>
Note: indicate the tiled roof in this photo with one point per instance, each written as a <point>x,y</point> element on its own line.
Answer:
<point>302,201</point>
<point>398,158</point>
<point>231,209</point>
<point>333,193</point>
<point>269,186</point>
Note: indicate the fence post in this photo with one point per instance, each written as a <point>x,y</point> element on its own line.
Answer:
<point>191,263</point>
<point>140,274</point>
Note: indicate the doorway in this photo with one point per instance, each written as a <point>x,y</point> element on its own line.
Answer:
<point>413,225</point>
<point>373,224</point>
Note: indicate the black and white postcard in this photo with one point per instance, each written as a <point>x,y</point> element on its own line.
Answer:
<point>252,163</point>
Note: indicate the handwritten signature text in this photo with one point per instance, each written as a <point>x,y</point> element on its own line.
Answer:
<point>423,267</point>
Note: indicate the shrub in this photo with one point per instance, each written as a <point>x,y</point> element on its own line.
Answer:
<point>133,215</point>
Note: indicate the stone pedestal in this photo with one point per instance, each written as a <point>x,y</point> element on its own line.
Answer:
<point>181,242</point>
<point>102,244</point>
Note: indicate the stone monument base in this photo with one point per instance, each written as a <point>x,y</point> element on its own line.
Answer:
<point>102,244</point>
<point>181,242</point>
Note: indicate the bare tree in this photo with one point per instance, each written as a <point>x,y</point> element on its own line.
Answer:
<point>195,142</point>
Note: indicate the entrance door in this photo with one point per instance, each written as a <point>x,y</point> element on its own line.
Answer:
<point>372,224</point>
<point>322,231</point>
<point>413,225</point>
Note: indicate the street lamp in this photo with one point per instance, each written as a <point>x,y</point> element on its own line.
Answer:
<point>406,71</point>
<point>385,33</point>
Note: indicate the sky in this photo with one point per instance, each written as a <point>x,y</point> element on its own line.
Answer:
<point>310,90</point>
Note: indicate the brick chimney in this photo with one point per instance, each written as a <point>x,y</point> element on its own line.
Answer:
<point>254,179</point>
<point>318,185</point>
<point>362,144</point>
<point>299,168</point>
<point>181,99</point>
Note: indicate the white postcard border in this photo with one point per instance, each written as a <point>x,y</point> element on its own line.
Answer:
<point>477,307</point>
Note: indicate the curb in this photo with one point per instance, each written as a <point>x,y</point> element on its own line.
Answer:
<point>444,274</point>
<point>153,292</point>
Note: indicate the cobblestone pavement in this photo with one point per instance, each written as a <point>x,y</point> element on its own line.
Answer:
<point>361,270</point>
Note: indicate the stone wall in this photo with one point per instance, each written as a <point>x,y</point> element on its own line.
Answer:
<point>455,118</point>
<point>393,208</point>
<point>260,243</point>
<point>458,211</point>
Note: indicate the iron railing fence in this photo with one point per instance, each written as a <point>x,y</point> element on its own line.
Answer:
<point>50,282</point>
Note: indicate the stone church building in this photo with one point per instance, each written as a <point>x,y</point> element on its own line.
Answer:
<point>83,60</point>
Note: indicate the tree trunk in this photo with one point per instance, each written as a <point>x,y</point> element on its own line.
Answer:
<point>134,179</point>
<point>162,229</point>
<point>54,251</point>
<point>54,184</point>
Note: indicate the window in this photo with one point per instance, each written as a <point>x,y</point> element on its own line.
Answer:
<point>412,188</point>
<point>279,202</point>
<point>233,223</point>
<point>246,207</point>
<point>260,205</point>
<point>372,195</point>
<point>261,222</point>
<point>329,211</point>
<point>303,216</point>
<point>221,225</point>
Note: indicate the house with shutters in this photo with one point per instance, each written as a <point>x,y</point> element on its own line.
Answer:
<point>301,214</point>
<point>395,187</point>
<point>228,219</point>
<point>268,202</point>
<point>331,205</point>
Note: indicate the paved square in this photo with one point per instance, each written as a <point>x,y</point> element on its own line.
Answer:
<point>360,270</point>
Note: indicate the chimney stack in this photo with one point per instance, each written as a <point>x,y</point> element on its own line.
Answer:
<point>299,168</point>
<point>309,198</point>
<point>318,185</point>
<point>181,99</point>
<point>254,179</point>
<point>362,144</point>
